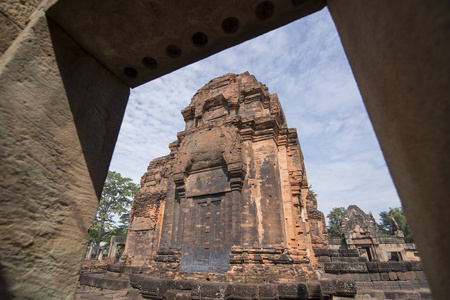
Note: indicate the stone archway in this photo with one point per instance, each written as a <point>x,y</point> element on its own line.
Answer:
<point>64,84</point>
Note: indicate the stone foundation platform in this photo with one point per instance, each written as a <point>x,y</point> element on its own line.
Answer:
<point>343,278</point>
<point>239,273</point>
<point>246,265</point>
<point>377,280</point>
<point>159,289</point>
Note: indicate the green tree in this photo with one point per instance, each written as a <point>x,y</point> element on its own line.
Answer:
<point>116,198</point>
<point>117,230</point>
<point>334,222</point>
<point>387,227</point>
<point>311,191</point>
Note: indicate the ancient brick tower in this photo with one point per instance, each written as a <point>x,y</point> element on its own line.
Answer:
<point>232,196</point>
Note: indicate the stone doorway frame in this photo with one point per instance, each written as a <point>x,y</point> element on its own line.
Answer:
<point>62,108</point>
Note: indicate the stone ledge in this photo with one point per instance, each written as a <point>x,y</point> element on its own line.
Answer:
<point>158,289</point>
<point>103,281</point>
<point>350,266</point>
<point>118,268</point>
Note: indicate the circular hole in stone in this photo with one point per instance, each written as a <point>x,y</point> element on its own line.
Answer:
<point>173,51</point>
<point>298,2</point>
<point>199,39</point>
<point>230,25</point>
<point>264,10</point>
<point>130,72</point>
<point>149,63</point>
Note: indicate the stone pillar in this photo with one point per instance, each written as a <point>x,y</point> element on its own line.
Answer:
<point>60,113</point>
<point>286,195</point>
<point>88,253</point>
<point>398,51</point>
<point>112,249</point>
<point>100,253</point>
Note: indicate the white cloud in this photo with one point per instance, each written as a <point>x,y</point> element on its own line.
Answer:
<point>304,63</point>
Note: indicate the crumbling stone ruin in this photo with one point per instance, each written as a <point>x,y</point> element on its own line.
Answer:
<point>228,214</point>
<point>232,196</point>
<point>384,267</point>
<point>360,232</point>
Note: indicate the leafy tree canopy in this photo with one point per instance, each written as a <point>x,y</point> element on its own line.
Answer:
<point>116,198</point>
<point>386,226</point>
<point>334,222</point>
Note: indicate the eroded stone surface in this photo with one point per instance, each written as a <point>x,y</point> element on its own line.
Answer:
<point>14,15</point>
<point>57,141</point>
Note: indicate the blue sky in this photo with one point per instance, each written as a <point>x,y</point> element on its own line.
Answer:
<point>304,63</point>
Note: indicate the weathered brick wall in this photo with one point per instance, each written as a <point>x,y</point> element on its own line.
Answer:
<point>146,214</point>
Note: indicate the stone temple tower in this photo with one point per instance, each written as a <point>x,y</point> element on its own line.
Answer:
<point>231,199</point>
